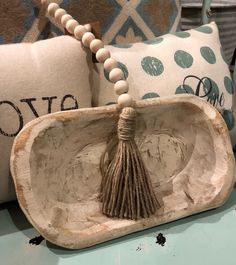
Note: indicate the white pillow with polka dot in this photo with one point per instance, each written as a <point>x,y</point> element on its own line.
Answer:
<point>184,62</point>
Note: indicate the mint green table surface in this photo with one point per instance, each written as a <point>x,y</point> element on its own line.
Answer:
<point>204,239</point>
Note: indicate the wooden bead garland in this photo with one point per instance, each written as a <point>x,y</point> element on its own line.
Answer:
<point>59,13</point>
<point>126,190</point>
<point>52,9</point>
<point>70,25</point>
<point>79,32</point>
<point>87,38</point>
<point>96,46</point>
<point>115,75</point>
<point>64,19</point>
<point>121,87</point>
<point>110,64</point>
<point>125,100</point>
<point>102,55</point>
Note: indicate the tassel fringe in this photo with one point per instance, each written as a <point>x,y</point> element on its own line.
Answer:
<point>126,190</point>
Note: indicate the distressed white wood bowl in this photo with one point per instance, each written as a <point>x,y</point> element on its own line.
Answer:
<point>55,165</point>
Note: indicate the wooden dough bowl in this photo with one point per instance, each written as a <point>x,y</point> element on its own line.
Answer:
<point>55,165</point>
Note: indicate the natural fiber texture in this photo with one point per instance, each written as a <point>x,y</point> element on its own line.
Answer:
<point>126,190</point>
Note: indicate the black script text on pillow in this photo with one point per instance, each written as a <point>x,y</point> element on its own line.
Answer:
<point>68,102</point>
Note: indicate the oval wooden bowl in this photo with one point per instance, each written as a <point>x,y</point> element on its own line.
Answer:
<point>55,165</point>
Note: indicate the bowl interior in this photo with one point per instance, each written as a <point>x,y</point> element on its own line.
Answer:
<point>177,149</point>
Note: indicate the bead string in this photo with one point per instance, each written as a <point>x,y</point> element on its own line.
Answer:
<point>83,33</point>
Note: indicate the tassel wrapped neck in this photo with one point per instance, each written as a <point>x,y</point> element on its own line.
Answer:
<point>126,124</point>
<point>126,189</point>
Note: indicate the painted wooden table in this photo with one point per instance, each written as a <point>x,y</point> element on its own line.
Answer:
<point>205,239</point>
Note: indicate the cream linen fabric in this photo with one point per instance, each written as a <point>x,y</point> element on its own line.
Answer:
<point>37,79</point>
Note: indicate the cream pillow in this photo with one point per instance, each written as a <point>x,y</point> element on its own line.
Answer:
<point>184,62</point>
<point>37,79</point>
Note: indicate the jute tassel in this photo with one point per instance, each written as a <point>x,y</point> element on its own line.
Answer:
<point>126,190</point>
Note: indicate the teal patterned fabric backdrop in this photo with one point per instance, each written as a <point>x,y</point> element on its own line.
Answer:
<point>223,13</point>
<point>121,21</point>
<point>24,21</point>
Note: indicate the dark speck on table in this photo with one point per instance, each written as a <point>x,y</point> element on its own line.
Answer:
<point>161,240</point>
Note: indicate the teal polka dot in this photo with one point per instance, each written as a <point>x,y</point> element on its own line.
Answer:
<point>152,66</point>
<point>229,119</point>
<point>183,59</point>
<point>182,34</point>
<point>154,41</point>
<point>228,85</point>
<point>184,89</point>
<point>123,67</point>
<point>211,87</point>
<point>205,29</point>
<point>106,74</point>
<point>150,95</point>
<point>208,54</point>
<point>223,55</point>
<point>123,45</point>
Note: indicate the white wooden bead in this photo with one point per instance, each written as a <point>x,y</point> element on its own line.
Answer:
<point>64,19</point>
<point>121,87</point>
<point>102,55</point>
<point>52,8</point>
<point>95,45</point>
<point>87,38</point>
<point>110,64</point>
<point>79,32</point>
<point>70,25</point>
<point>59,13</point>
<point>116,74</point>
<point>88,27</point>
<point>125,100</point>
